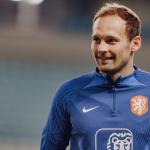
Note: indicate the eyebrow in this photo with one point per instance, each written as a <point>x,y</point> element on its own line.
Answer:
<point>113,37</point>
<point>96,35</point>
<point>107,37</point>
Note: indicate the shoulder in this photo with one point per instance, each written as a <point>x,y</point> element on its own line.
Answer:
<point>143,76</point>
<point>76,83</point>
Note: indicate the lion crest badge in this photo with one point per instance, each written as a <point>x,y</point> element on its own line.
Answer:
<point>139,105</point>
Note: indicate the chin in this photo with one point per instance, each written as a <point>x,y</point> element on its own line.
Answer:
<point>107,70</point>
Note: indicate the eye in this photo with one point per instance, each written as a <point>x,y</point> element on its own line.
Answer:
<point>96,39</point>
<point>115,139</point>
<point>111,41</point>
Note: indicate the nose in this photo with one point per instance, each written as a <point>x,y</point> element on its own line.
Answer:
<point>103,47</point>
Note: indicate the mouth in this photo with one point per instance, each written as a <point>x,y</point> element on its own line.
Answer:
<point>104,58</point>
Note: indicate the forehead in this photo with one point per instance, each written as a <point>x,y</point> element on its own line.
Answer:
<point>110,25</point>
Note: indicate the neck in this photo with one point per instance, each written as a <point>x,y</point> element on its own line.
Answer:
<point>115,76</point>
<point>125,71</point>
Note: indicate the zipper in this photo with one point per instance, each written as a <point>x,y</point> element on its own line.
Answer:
<point>113,114</point>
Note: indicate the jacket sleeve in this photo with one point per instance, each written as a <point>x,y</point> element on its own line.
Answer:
<point>57,131</point>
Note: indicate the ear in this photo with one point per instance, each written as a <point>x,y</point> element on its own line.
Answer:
<point>136,43</point>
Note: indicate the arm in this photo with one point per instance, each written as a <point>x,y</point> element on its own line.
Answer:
<point>56,133</point>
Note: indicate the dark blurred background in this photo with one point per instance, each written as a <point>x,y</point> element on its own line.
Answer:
<point>42,44</point>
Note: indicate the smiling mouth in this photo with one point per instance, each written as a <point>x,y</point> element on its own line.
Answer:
<point>104,58</point>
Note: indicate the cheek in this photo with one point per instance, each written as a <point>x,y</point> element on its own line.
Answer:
<point>93,47</point>
<point>122,56</point>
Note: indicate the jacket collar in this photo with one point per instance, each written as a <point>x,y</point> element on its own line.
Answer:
<point>104,80</point>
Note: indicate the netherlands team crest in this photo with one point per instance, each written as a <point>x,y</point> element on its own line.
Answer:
<point>139,105</point>
<point>114,139</point>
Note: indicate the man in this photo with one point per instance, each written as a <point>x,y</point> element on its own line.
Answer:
<point>106,109</point>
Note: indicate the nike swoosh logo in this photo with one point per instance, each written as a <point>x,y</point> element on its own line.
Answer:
<point>84,110</point>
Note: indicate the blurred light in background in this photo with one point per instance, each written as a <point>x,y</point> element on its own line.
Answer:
<point>27,17</point>
<point>32,2</point>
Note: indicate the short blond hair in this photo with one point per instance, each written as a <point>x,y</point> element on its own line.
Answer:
<point>133,22</point>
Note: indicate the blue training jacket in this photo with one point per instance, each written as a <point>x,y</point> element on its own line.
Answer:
<point>95,113</point>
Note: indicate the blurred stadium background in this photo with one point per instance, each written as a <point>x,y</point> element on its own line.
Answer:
<point>42,44</point>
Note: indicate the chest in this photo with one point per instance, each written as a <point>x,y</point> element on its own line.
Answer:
<point>102,113</point>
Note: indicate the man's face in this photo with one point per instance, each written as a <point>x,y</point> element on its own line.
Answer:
<point>110,44</point>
